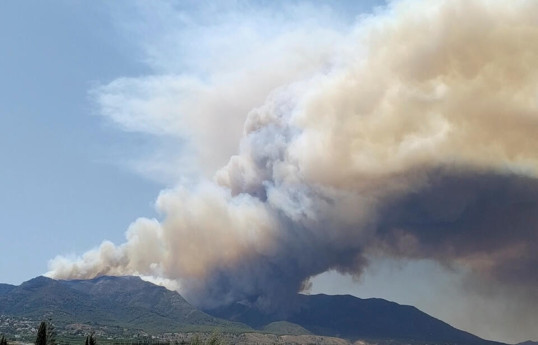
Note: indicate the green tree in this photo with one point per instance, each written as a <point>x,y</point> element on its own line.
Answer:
<point>46,335</point>
<point>90,340</point>
<point>41,334</point>
<point>3,341</point>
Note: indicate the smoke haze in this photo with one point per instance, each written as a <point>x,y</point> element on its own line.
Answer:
<point>410,134</point>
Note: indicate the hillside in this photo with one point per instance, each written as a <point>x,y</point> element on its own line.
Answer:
<point>128,305</point>
<point>127,302</point>
<point>285,327</point>
<point>5,288</point>
<point>354,318</point>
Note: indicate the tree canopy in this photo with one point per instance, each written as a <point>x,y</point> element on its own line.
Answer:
<point>46,335</point>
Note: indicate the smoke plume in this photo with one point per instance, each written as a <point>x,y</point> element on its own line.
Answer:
<point>411,134</point>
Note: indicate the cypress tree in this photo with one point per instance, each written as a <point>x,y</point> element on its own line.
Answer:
<point>90,340</point>
<point>42,334</point>
<point>3,341</point>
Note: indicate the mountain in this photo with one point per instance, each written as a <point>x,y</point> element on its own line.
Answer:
<point>5,288</point>
<point>127,302</point>
<point>528,342</point>
<point>354,318</point>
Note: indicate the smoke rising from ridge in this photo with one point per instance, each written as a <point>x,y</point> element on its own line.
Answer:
<point>412,134</point>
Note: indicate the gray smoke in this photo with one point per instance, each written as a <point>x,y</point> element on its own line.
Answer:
<point>413,136</point>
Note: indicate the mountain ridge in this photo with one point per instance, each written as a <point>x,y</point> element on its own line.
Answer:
<point>354,318</point>
<point>130,302</point>
<point>117,301</point>
<point>5,288</point>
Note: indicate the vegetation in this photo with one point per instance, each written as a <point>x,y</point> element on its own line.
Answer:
<point>90,340</point>
<point>51,334</point>
<point>46,335</point>
<point>3,341</point>
<point>117,312</point>
<point>129,311</point>
<point>41,334</point>
<point>214,339</point>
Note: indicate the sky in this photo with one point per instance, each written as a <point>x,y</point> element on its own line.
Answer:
<point>267,148</point>
<point>64,179</point>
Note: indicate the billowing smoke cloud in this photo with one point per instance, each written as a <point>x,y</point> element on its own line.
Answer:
<point>412,134</point>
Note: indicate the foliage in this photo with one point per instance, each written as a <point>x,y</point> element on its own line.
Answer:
<point>46,335</point>
<point>215,339</point>
<point>41,338</point>
<point>196,341</point>
<point>90,340</point>
<point>3,341</point>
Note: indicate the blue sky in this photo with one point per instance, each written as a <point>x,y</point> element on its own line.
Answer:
<point>64,187</point>
<point>93,133</point>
